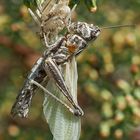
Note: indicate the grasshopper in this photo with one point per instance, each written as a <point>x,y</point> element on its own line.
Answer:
<point>71,45</point>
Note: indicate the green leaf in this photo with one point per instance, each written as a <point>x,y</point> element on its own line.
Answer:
<point>63,124</point>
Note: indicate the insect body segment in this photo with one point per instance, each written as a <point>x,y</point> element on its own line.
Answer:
<point>60,52</point>
<point>23,100</point>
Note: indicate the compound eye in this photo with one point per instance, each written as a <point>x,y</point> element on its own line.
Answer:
<point>97,32</point>
<point>76,39</point>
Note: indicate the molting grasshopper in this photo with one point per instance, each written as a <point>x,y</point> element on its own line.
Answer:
<point>52,16</point>
<point>71,45</point>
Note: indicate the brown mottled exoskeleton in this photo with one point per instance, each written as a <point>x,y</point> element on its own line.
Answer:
<point>72,44</point>
<point>52,16</point>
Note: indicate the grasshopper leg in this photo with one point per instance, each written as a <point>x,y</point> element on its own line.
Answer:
<point>54,72</point>
<point>52,95</point>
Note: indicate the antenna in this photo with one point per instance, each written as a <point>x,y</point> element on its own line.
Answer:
<point>119,26</point>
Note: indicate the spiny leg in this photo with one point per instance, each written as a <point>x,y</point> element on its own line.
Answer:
<point>54,73</point>
<point>39,7</point>
<point>45,40</point>
<point>47,5</point>
<point>35,17</point>
<point>66,2</point>
<point>53,96</point>
<point>68,18</point>
<point>54,47</point>
<point>38,12</point>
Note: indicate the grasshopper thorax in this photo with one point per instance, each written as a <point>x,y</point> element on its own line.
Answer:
<point>86,31</point>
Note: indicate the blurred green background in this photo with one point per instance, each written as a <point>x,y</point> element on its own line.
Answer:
<point>109,73</point>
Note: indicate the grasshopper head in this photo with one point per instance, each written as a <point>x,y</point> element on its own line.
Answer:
<point>86,31</point>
